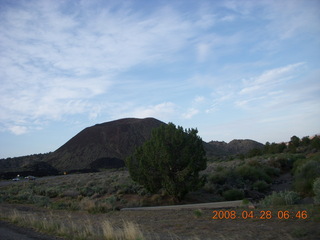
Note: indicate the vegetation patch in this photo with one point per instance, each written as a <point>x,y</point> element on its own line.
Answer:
<point>280,199</point>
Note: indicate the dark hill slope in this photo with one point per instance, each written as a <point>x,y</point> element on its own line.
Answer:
<point>103,145</point>
<point>217,148</point>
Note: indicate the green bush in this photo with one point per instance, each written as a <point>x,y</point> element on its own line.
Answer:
<point>280,199</point>
<point>112,200</point>
<point>198,213</point>
<point>316,191</point>
<point>233,194</point>
<point>305,174</point>
<point>271,171</point>
<point>210,187</point>
<point>218,177</point>
<point>260,185</point>
<point>253,173</point>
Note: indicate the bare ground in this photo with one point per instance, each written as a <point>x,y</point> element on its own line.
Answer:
<point>185,224</point>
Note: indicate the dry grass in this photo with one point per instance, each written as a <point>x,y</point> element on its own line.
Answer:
<point>130,231</point>
<point>75,230</point>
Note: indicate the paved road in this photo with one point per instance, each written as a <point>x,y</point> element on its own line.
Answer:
<point>8,182</point>
<point>12,232</point>
<point>190,206</point>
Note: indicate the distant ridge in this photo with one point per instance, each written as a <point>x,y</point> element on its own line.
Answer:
<point>236,146</point>
<point>106,145</point>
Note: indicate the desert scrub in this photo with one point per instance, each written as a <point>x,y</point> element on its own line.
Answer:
<point>94,206</point>
<point>233,194</point>
<point>280,199</point>
<point>316,191</point>
<point>62,204</point>
<point>253,173</point>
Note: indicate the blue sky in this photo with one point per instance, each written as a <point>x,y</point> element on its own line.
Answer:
<point>232,69</point>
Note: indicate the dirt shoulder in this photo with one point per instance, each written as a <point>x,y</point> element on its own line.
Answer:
<point>10,231</point>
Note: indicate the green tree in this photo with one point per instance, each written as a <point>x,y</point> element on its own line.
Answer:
<point>267,148</point>
<point>170,160</point>
<point>293,144</point>
<point>305,141</point>
<point>315,142</point>
<point>295,141</point>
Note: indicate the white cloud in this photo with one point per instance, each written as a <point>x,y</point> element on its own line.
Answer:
<point>203,51</point>
<point>190,113</point>
<point>199,99</point>
<point>291,18</point>
<point>18,130</point>
<point>162,111</point>
<point>228,18</point>
<point>204,80</point>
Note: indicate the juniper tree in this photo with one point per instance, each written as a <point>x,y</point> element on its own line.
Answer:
<point>170,160</point>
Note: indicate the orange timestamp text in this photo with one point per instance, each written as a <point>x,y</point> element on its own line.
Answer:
<point>263,214</point>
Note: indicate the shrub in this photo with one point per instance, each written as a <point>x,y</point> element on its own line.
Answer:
<point>52,192</point>
<point>112,200</point>
<point>217,177</point>
<point>316,191</point>
<point>280,199</point>
<point>87,191</point>
<point>260,185</point>
<point>271,171</point>
<point>253,173</point>
<point>209,187</point>
<point>233,194</point>
<point>41,201</point>
<point>305,175</point>
<point>198,213</point>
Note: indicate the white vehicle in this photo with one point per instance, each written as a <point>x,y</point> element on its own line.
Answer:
<point>16,179</point>
<point>30,178</point>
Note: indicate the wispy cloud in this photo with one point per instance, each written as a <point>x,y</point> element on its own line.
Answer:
<point>269,79</point>
<point>18,130</point>
<point>54,64</point>
<point>190,113</point>
<point>163,111</point>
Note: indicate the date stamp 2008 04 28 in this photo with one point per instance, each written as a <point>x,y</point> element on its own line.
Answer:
<point>263,214</point>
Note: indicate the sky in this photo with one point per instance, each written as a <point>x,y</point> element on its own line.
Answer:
<point>232,69</point>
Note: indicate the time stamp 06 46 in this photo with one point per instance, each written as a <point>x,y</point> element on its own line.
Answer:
<point>263,214</point>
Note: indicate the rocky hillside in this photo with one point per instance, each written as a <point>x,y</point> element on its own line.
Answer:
<point>103,145</point>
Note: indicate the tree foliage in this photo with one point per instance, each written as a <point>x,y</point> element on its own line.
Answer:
<point>170,160</point>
